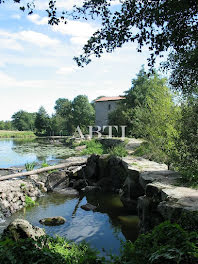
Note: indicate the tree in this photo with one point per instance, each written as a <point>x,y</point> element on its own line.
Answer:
<point>186,155</point>
<point>162,25</point>
<point>23,120</point>
<point>42,121</point>
<point>149,112</point>
<point>83,112</point>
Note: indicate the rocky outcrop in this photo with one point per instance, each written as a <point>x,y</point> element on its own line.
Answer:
<point>13,194</point>
<point>22,229</point>
<point>53,221</point>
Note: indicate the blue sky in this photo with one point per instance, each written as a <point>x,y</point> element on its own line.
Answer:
<point>37,67</point>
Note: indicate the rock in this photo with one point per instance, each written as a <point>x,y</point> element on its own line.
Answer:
<point>80,148</point>
<point>79,184</point>
<point>21,229</point>
<point>88,207</point>
<point>91,189</point>
<point>70,192</point>
<point>53,221</point>
<point>42,187</point>
<point>34,177</point>
<point>55,179</point>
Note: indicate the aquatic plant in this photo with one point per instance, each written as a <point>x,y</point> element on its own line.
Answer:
<point>29,202</point>
<point>30,166</point>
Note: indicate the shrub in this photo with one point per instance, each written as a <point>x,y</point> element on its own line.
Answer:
<point>46,250</point>
<point>119,151</point>
<point>167,243</point>
<point>93,147</point>
<point>29,201</point>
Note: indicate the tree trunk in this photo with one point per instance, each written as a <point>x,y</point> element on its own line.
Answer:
<point>32,172</point>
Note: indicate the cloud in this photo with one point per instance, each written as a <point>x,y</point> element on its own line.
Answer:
<point>66,70</point>
<point>16,16</point>
<point>36,38</point>
<point>36,19</point>
<point>10,40</point>
<point>79,31</point>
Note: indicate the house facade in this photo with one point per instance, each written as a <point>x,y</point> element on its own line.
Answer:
<point>103,106</point>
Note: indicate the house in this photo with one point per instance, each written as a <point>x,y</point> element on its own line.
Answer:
<point>103,106</point>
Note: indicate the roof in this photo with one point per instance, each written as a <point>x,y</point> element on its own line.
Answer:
<point>112,98</point>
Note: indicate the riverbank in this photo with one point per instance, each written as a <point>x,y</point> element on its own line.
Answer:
<point>16,134</point>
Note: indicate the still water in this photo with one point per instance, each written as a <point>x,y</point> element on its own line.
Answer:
<point>104,228</point>
<point>17,152</point>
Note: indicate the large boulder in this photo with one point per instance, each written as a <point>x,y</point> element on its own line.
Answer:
<point>57,179</point>
<point>53,221</point>
<point>21,229</point>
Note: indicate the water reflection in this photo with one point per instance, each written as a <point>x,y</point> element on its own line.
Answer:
<point>17,152</point>
<point>102,229</point>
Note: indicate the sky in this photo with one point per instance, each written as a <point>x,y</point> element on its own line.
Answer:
<point>37,66</point>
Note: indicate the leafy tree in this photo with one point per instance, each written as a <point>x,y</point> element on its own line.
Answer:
<point>64,115</point>
<point>162,25</point>
<point>23,120</point>
<point>186,155</point>
<point>42,121</point>
<point>6,125</point>
<point>149,112</point>
<point>83,112</point>
<point>63,107</point>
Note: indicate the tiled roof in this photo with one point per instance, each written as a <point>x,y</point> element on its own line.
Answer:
<point>112,98</point>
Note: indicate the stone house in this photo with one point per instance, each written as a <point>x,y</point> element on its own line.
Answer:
<point>103,106</point>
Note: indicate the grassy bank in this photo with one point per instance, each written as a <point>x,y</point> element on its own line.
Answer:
<point>167,243</point>
<point>16,134</point>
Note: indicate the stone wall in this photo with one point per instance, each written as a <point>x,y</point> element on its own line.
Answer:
<point>145,188</point>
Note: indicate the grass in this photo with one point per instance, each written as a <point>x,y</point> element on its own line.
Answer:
<point>16,134</point>
<point>30,166</point>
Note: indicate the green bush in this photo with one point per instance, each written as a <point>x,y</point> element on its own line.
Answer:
<point>29,201</point>
<point>119,151</point>
<point>93,147</point>
<point>46,250</point>
<point>167,243</point>
<point>149,150</point>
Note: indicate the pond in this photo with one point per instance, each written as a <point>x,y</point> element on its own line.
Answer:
<point>104,228</point>
<point>17,152</point>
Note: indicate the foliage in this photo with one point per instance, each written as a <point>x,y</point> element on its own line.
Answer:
<point>93,147</point>
<point>42,120</point>
<point>16,134</point>
<point>150,113</point>
<point>46,250</point>
<point>6,125</point>
<point>30,166</point>
<point>83,113</point>
<point>167,243</point>
<point>119,151</point>
<point>29,202</point>
<point>23,121</point>
<point>186,155</point>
